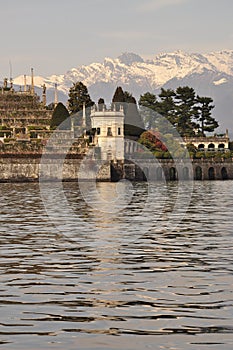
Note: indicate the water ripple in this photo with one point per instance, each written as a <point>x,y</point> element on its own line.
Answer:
<point>95,292</point>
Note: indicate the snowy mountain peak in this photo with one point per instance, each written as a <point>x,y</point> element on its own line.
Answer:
<point>129,58</point>
<point>135,73</point>
<point>210,74</point>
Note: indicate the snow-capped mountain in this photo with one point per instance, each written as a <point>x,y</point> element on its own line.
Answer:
<point>210,74</point>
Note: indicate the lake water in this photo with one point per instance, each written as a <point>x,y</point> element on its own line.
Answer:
<point>119,274</point>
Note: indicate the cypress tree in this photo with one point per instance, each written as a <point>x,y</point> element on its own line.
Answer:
<point>133,122</point>
<point>185,111</point>
<point>133,125</point>
<point>60,114</point>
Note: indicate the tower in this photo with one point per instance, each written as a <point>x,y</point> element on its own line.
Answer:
<point>109,132</point>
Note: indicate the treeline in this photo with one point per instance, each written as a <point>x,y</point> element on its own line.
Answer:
<point>189,113</point>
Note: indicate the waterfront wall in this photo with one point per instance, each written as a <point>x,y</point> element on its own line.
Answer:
<point>171,170</point>
<point>25,168</point>
<point>28,168</point>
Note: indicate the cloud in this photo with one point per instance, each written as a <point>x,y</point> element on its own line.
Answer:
<point>153,5</point>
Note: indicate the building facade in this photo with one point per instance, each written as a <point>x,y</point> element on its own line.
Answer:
<point>209,143</point>
<point>108,126</point>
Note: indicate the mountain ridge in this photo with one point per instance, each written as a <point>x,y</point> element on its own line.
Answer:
<point>210,74</point>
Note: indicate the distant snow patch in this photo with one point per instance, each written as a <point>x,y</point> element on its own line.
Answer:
<point>220,81</point>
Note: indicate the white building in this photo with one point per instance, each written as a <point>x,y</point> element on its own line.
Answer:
<point>109,132</point>
<point>209,143</point>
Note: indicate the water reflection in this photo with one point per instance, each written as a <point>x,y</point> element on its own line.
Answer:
<point>97,281</point>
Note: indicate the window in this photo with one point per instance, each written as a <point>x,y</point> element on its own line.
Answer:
<point>221,147</point>
<point>109,132</point>
<point>98,131</point>
<point>211,147</point>
<point>119,131</point>
<point>201,146</point>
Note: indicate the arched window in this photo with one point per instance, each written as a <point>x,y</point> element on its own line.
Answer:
<point>186,173</point>
<point>211,147</point>
<point>109,132</point>
<point>221,147</point>
<point>172,174</point>
<point>224,173</point>
<point>198,173</point>
<point>145,174</point>
<point>211,173</point>
<point>159,174</point>
<point>201,147</point>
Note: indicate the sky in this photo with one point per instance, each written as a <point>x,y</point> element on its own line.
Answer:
<point>53,36</point>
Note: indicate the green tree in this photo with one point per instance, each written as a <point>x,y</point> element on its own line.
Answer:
<point>148,107</point>
<point>78,95</point>
<point>206,123</point>
<point>60,114</point>
<point>166,106</point>
<point>118,98</point>
<point>157,113</point>
<point>133,125</point>
<point>119,95</point>
<point>190,115</point>
<point>185,101</point>
<point>133,122</point>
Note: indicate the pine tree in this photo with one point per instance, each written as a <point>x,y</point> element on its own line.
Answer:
<point>148,100</point>
<point>60,114</point>
<point>166,107</point>
<point>185,111</point>
<point>181,108</point>
<point>204,119</point>
<point>148,107</point>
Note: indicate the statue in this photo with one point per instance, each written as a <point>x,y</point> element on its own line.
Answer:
<point>44,89</point>
<point>5,83</point>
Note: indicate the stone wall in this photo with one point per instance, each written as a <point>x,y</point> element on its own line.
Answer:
<point>27,167</point>
<point>171,170</point>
